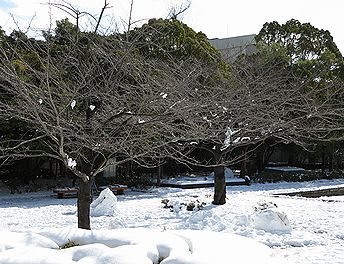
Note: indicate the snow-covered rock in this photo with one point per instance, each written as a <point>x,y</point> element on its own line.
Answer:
<point>105,204</point>
<point>271,220</point>
<point>266,217</point>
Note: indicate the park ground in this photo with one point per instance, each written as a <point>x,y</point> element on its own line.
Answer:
<point>313,231</point>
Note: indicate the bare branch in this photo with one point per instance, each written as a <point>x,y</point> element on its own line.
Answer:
<point>176,11</point>
<point>106,5</point>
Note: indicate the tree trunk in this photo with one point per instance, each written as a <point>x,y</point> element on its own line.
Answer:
<point>84,202</point>
<point>219,181</point>
<point>85,187</point>
<point>219,186</point>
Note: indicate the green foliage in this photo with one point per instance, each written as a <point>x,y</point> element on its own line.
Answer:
<point>161,38</point>
<point>307,52</point>
<point>302,41</point>
<point>268,56</point>
<point>65,31</point>
<point>311,51</point>
<point>20,66</point>
<point>172,40</point>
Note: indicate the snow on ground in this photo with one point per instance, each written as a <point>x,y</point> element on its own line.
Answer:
<point>293,229</point>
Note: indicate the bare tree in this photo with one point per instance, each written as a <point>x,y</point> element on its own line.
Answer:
<point>177,10</point>
<point>77,14</point>
<point>267,101</point>
<point>89,102</point>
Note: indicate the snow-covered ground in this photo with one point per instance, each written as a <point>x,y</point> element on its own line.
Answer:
<point>137,228</point>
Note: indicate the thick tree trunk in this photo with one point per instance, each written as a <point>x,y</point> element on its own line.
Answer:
<point>219,186</point>
<point>219,180</point>
<point>85,187</point>
<point>84,202</point>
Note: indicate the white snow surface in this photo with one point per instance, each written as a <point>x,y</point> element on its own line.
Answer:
<point>133,245</point>
<point>105,204</point>
<point>254,226</point>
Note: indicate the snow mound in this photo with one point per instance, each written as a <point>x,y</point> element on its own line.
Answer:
<point>230,248</point>
<point>271,220</point>
<point>136,246</point>
<point>10,240</point>
<point>266,217</point>
<point>105,204</point>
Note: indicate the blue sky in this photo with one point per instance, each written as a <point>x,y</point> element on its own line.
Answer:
<point>6,4</point>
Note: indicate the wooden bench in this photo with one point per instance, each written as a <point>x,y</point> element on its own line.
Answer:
<point>73,192</point>
<point>66,192</point>
<point>116,188</point>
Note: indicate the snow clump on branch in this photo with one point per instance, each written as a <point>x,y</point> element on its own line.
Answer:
<point>70,162</point>
<point>72,104</point>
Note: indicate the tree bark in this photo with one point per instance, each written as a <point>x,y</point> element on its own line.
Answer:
<point>219,181</point>
<point>84,202</point>
<point>85,187</point>
<point>219,186</point>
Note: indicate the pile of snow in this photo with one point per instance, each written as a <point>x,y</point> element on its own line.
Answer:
<point>130,246</point>
<point>271,220</point>
<point>266,217</point>
<point>10,240</point>
<point>105,204</point>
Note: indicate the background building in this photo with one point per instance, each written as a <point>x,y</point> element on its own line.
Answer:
<point>232,47</point>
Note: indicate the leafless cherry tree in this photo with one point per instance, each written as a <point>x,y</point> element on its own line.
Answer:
<point>267,101</point>
<point>97,102</point>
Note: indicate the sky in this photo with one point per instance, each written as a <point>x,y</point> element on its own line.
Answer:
<point>216,18</point>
